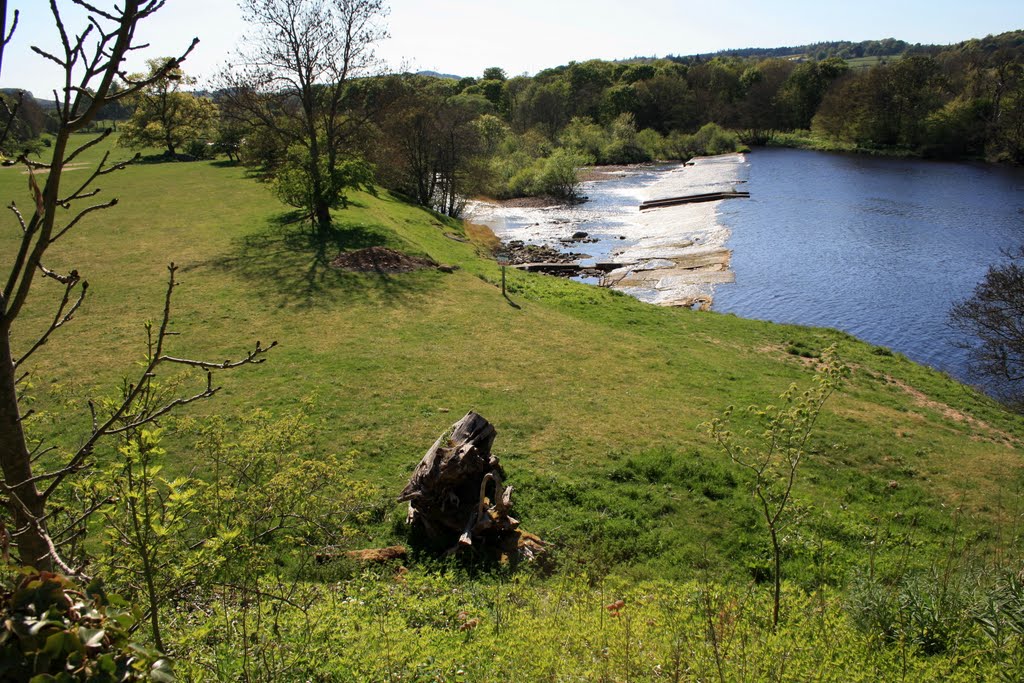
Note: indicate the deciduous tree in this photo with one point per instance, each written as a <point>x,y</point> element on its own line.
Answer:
<point>33,470</point>
<point>166,116</point>
<point>992,320</point>
<point>291,82</point>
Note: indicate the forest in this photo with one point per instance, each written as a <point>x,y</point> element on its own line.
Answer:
<point>440,140</point>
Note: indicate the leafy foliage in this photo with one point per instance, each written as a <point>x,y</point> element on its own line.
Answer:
<point>166,116</point>
<point>55,632</point>
<point>292,181</point>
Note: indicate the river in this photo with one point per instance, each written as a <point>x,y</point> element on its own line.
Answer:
<point>877,247</point>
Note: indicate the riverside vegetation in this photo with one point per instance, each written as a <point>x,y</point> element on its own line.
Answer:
<point>900,563</point>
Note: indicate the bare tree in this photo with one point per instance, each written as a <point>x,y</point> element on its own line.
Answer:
<point>992,320</point>
<point>91,61</point>
<point>291,83</point>
<point>9,113</point>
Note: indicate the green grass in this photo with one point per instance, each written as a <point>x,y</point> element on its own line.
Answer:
<point>857,63</point>
<point>805,139</point>
<point>443,627</point>
<point>596,397</point>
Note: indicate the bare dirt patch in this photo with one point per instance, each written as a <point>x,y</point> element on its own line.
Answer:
<point>950,413</point>
<point>380,260</point>
<point>77,166</point>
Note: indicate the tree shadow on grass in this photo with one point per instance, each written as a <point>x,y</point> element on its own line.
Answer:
<point>291,261</point>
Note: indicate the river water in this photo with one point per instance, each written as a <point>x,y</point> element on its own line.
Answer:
<point>879,248</point>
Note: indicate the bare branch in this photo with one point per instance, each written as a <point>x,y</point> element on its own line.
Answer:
<point>81,518</point>
<point>251,357</point>
<point>134,392</point>
<point>36,456</point>
<point>95,141</point>
<point>160,412</point>
<point>82,214</point>
<point>14,25</point>
<point>47,55</point>
<point>21,219</point>
<point>61,318</point>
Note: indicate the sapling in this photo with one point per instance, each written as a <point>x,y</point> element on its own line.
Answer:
<point>773,455</point>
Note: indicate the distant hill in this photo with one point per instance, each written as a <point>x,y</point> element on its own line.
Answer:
<point>436,74</point>
<point>844,49</point>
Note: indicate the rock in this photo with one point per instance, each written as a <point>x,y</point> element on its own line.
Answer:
<point>580,235</point>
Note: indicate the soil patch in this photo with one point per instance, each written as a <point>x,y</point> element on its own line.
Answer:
<point>950,413</point>
<point>380,260</point>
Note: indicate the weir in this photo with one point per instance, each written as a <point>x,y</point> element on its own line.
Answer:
<point>693,199</point>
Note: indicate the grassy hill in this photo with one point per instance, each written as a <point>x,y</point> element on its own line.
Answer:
<point>597,398</point>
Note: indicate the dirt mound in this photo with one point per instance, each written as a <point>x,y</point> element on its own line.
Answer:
<point>380,260</point>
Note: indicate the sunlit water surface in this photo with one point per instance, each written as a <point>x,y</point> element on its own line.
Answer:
<point>879,248</point>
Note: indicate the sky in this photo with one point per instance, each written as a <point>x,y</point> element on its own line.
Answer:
<point>464,37</point>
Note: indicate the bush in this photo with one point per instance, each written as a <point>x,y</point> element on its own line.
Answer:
<point>712,139</point>
<point>558,176</point>
<point>53,631</point>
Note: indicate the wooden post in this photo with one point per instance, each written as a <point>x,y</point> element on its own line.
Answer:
<point>503,260</point>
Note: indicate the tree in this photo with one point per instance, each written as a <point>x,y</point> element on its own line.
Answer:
<point>992,320</point>
<point>291,84</point>
<point>27,123</point>
<point>34,472</point>
<point>165,116</point>
<point>806,86</point>
<point>760,112</point>
<point>494,73</point>
<point>772,458</point>
<point>432,142</point>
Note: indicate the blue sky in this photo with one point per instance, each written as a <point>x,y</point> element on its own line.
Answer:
<point>523,36</point>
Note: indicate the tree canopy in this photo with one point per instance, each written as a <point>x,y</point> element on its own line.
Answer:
<point>164,115</point>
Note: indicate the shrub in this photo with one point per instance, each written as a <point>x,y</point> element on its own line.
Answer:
<point>54,631</point>
<point>712,139</point>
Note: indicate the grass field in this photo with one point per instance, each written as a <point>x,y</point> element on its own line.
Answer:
<point>597,397</point>
<point>908,506</point>
<point>858,63</point>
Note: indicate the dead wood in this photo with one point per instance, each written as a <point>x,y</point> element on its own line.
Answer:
<point>456,493</point>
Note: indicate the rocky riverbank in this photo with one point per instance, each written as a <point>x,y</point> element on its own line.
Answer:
<point>670,255</point>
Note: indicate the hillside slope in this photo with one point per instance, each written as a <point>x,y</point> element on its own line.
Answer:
<point>597,397</point>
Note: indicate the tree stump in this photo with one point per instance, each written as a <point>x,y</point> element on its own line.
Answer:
<point>456,493</point>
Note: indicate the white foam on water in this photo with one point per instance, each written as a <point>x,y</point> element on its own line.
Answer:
<point>679,241</point>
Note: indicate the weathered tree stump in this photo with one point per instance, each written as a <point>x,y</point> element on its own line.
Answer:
<point>456,493</point>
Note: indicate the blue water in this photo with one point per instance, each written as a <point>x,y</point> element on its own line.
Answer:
<point>879,248</point>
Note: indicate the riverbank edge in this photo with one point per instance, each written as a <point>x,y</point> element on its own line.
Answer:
<point>809,141</point>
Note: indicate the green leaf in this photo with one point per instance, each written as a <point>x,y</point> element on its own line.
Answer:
<point>162,672</point>
<point>56,643</point>
<point>107,664</point>
<point>92,637</point>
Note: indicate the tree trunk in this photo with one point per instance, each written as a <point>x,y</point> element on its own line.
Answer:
<point>322,216</point>
<point>15,461</point>
<point>777,553</point>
